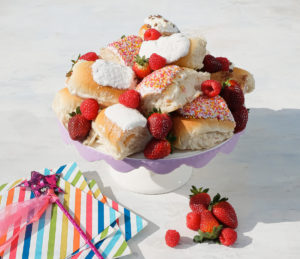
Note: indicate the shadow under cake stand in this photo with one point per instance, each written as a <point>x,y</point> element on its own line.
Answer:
<point>141,175</point>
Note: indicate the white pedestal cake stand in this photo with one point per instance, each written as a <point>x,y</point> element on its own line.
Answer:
<point>141,175</point>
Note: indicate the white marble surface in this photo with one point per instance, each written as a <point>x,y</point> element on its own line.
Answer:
<point>261,176</point>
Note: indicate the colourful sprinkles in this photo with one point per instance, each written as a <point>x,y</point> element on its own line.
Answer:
<point>205,107</point>
<point>158,80</point>
<point>127,47</point>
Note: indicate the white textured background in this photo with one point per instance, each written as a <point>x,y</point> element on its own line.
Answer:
<point>262,176</point>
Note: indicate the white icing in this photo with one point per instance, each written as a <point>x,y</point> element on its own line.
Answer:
<point>171,47</point>
<point>107,73</point>
<point>126,118</point>
<point>161,24</point>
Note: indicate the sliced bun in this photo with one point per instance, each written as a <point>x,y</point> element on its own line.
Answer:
<point>184,86</point>
<point>81,83</point>
<point>120,131</point>
<point>64,103</point>
<point>243,77</point>
<point>203,124</point>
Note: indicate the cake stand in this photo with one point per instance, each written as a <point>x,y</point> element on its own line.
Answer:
<point>141,175</point>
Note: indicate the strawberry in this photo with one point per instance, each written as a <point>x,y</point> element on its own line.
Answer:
<point>90,56</point>
<point>151,34</point>
<point>199,199</point>
<point>228,236</point>
<point>157,149</point>
<point>223,211</point>
<point>193,221</point>
<point>156,61</point>
<point>172,238</point>
<point>209,227</point>
<point>159,125</point>
<point>211,64</point>
<point>79,127</point>
<point>130,98</point>
<point>211,88</point>
<point>89,109</point>
<point>141,66</point>
<point>241,118</point>
<point>225,63</point>
<point>233,95</point>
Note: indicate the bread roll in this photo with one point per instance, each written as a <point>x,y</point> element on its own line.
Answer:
<point>122,51</point>
<point>82,81</point>
<point>243,77</point>
<point>170,88</point>
<point>203,124</point>
<point>120,131</point>
<point>64,103</point>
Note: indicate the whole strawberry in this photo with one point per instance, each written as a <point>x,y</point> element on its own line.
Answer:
<point>199,199</point>
<point>141,66</point>
<point>172,238</point>
<point>225,63</point>
<point>151,34</point>
<point>211,64</point>
<point>130,99</point>
<point>79,127</point>
<point>157,62</point>
<point>233,94</point>
<point>89,108</point>
<point>209,227</point>
<point>241,118</point>
<point>159,125</point>
<point>90,56</point>
<point>157,149</point>
<point>228,236</point>
<point>223,211</point>
<point>193,220</point>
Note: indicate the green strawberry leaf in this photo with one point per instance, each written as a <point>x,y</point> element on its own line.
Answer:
<point>123,36</point>
<point>69,73</point>
<point>202,236</point>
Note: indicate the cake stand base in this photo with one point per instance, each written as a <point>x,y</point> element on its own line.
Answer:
<point>144,181</point>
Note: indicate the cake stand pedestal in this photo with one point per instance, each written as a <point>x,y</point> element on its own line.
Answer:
<point>141,175</point>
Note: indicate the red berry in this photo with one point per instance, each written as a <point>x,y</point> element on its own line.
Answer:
<point>151,34</point>
<point>157,149</point>
<point>193,221</point>
<point>241,118</point>
<point>228,236</point>
<point>233,94</point>
<point>89,109</point>
<point>130,99</point>
<point>141,66</point>
<point>199,199</point>
<point>225,63</point>
<point>211,64</point>
<point>90,56</point>
<point>208,222</point>
<point>159,125</point>
<point>79,127</point>
<point>172,238</point>
<point>156,61</point>
<point>211,88</point>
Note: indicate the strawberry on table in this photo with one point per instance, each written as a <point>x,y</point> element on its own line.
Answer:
<point>130,99</point>
<point>225,63</point>
<point>159,125</point>
<point>151,34</point>
<point>211,88</point>
<point>199,199</point>
<point>172,238</point>
<point>223,211</point>
<point>141,66</point>
<point>157,149</point>
<point>90,56</point>
<point>193,220</point>
<point>233,94</point>
<point>156,61</point>
<point>89,108</point>
<point>211,64</point>
<point>228,236</point>
<point>79,127</point>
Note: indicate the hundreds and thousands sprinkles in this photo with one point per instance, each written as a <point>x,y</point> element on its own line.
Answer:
<point>127,47</point>
<point>205,107</point>
<point>158,80</point>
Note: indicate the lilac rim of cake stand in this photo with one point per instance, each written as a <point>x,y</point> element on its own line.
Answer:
<point>195,159</point>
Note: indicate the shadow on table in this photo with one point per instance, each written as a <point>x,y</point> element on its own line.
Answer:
<point>261,177</point>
